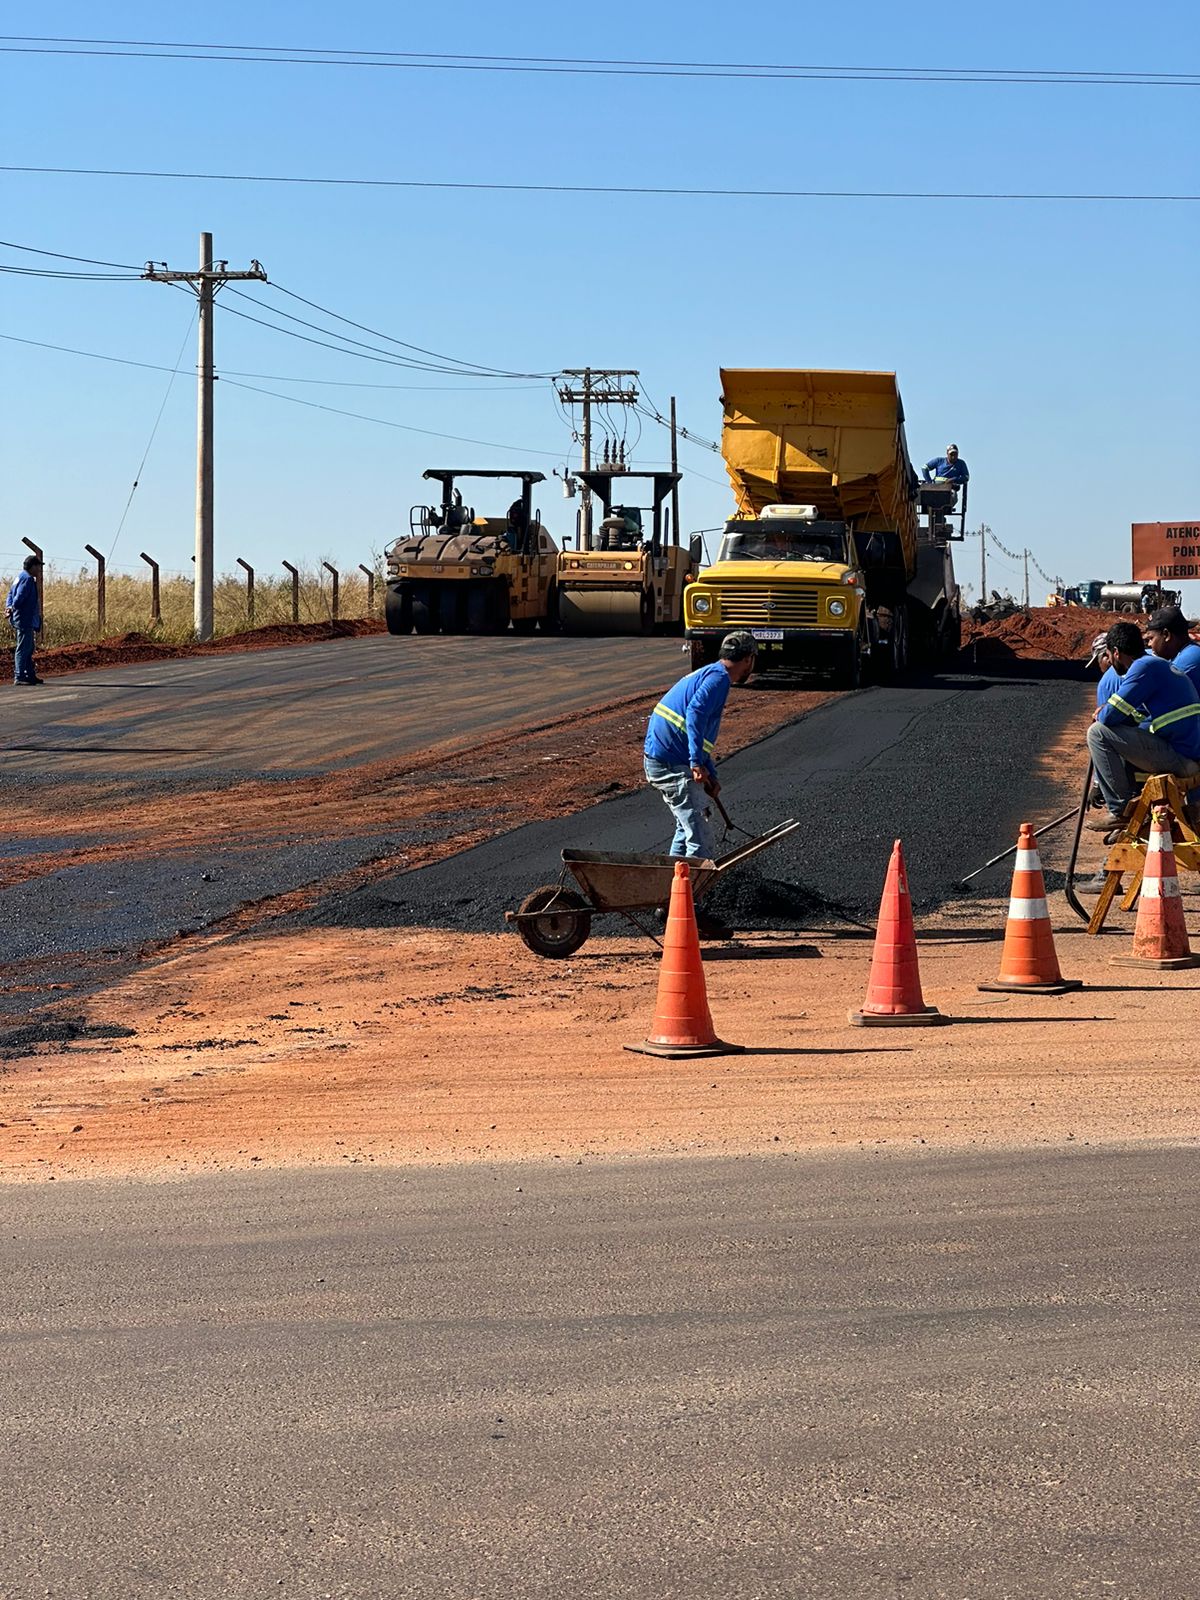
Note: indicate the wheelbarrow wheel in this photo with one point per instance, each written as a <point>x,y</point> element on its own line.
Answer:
<point>563,921</point>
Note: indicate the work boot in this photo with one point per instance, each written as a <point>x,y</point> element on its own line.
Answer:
<point>1103,824</point>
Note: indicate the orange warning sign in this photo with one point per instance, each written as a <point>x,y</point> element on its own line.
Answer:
<point>1166,550</point>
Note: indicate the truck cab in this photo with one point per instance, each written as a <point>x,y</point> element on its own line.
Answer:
<point>795,581</point>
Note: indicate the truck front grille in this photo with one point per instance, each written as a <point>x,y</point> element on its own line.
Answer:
<point>769,608</point>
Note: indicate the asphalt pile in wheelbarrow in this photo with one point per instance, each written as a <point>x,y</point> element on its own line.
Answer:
<point>1043,633</point>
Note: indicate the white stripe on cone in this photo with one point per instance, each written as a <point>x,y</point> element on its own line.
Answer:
<point>1160,888</point>
<point>1028,861</point>
<point>1027,910</point>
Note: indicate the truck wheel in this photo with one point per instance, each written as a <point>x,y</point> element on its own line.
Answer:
<point>425,610</point>
<point>703,653</point>
<point>849,674</point>
<point>397,611</point>
<point>562,921</point>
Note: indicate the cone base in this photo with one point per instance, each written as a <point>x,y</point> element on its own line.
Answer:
<point>1165,964</point>
<point>929,1017</point>
<point>718,1047</point>
<point>1063,986</point>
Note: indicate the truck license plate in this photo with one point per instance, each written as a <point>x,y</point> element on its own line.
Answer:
<point>767,635</point>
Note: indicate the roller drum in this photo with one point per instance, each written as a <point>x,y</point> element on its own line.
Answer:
<point>586,611</point>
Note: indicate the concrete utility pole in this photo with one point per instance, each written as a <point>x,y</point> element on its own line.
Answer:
<point>596,386</point>
<point>1027,580</point>
<point>984,530</point>
<point>206,282</point>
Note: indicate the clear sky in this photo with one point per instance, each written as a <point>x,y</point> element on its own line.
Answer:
<point>1055,343</point>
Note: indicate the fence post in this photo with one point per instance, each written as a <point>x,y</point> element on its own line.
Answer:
<point>333,601</point>
<point>370,572</point>
<point>295,572</point>
<point>37,550</point>
<point>155,599</point>
<point>249,571</point>
<point>100,565</point>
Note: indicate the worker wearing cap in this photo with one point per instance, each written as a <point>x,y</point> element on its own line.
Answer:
<point>950,468</point>
<point>1151,721</point>
<point>1168,638</point>
<point>681,737</point>
<point>1109,676</point>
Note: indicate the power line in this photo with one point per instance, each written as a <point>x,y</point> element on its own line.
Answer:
<point>484,371</point>
<point>428,61</point>
<point>89,261</point>
<point>598,188</point>
<point>404,427</point>
<point>276,377</point>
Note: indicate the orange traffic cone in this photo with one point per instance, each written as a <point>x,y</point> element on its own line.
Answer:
<point>683,1024</point>
<point>894,998</point>
<point>1160,936</point>
<point>1029,963</point>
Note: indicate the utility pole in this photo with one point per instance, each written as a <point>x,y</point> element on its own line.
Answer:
<point>675,534</point>
<point>1027,580</point>
<point>211,277</point>
<point>595,386</point>
<point>984,530</point>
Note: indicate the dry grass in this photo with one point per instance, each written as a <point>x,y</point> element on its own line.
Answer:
<point>69,602</point>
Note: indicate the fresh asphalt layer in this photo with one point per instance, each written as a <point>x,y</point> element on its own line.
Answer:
<point>840,1377</point>
<point>307,709</point>
<point>948,765</point>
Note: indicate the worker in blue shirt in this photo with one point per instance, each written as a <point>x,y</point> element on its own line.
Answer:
<point>1109,676</point>
<point>24,610</point>
<point>1151,722</point>
<point>680,739</point>
<point>950,468</point>
<point>1168,637</point>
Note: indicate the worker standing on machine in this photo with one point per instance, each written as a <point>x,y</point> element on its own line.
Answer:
<point>950,468</point>
<point>681,737</point>
<point>1168,638</point>
<point>1150,722</point>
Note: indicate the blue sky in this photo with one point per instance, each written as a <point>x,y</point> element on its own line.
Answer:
<point>1056,344</point>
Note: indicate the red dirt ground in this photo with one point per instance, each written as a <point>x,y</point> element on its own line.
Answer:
<point>126,648</point>
<point>1040,634</point>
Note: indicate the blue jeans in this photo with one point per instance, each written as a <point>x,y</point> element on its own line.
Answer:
<point>23,654</point>
<point>688,804</point>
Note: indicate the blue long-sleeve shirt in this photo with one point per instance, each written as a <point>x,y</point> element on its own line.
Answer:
<point>23,602</point>
<point>1188,660</point>
<point>1107,685</point>
<point>683,727</point>
<point>1157,695</point>
<point>951,471</point>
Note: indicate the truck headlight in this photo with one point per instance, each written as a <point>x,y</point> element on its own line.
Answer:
<point>837,608</point>
<point>701,605</point>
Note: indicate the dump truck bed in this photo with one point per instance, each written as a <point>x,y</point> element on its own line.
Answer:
<point>834,440</point>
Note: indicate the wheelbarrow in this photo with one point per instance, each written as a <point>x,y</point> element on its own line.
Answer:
<point>556,919</point>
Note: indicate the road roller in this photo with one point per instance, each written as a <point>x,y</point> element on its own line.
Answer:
<point>457,572</point>
<point>631,579</point>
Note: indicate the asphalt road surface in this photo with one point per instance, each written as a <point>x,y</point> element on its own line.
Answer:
<point>311,708</point>
<point>948,765</point>
<point>852,1378</point>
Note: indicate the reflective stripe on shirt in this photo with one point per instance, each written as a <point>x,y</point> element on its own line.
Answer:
<point>1177,715</point>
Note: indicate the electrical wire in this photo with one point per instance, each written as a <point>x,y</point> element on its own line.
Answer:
<point>298,55</point>
<point>137,477</point>
<point>404,427</point>
<point>58,255</point>
<point>276,377</point>
<point>599,188</point>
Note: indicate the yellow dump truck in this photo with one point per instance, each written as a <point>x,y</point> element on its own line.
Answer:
<point>826,559</point>
<point>630,577</point>
<point>457,572</point>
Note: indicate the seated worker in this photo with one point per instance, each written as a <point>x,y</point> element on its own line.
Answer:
<point>1151,721</point>
<point>1168,638</point>
<point>516,526</point>
<point>1109,676</point>
<point>950,468</point>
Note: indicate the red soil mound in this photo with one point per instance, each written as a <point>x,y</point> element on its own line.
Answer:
<point>1040,634</point>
